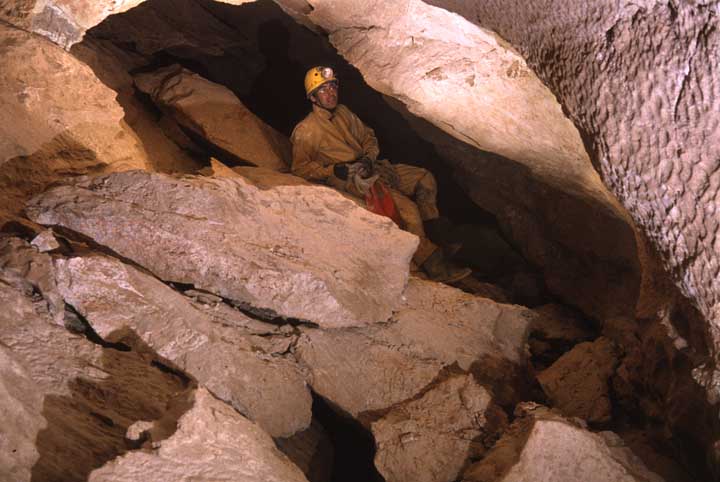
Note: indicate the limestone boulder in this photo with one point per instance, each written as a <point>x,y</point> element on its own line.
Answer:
<point>430,438</point>
<point>212,442</point>
<point>48,131</point>
<point>370,369</point>
<point>542,446</point>
<point>578,383</point>
<point>211,348</point>
<point>212,112</point>
<point>302,252</point>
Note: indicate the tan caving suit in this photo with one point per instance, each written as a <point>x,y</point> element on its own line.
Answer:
<point>326,138</point>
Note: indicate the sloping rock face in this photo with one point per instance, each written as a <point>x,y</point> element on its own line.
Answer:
<point>217,115</point>
<point>371,369</point>
<point>302,252</point>
<point>429,439</point>
<point>542,446</point>
<point>212,347</point>
<point>212,442</point>
<point>65,21</point>
<point>656,146</point>
<point>49,132</point>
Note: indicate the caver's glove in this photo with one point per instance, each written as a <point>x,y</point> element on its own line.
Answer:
<point>341,171</point>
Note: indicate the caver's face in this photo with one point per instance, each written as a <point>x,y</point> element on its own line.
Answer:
<point>327,95</point>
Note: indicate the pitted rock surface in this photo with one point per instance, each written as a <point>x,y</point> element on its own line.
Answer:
<point>212,442</point>
<point>302,252</point>
<point>640,80</point>
<point>113,296</point>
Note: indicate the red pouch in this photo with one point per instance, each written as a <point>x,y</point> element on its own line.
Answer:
<point>380,201</point>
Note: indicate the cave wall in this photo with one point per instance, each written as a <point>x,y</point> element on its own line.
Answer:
<point>640,80</point>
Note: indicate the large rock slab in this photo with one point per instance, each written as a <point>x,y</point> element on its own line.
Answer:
<point>373,368</point>
<point>113,296</point>
<point>47,132</point>
<point>429,439</point>
<point>543,447</point>
<point>301,252</point>
<point>214,113</point>
<point>212,442</point>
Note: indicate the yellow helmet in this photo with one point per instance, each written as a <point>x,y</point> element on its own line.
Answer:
<point>318,76</point>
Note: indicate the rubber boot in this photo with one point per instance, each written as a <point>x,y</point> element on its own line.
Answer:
<point>441,270</point>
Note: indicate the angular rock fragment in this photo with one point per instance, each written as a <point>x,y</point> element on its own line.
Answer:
<point>436,326</point>
<point>212,442</point>
<point>429,439</point>
<point>216,114</point>
<point>114,296</point>
<point>541,446</point>
<point>302,252</point>
<point>578,383</point>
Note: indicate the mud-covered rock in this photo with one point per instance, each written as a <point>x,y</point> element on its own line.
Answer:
<point>579,382</point>
<point>210,347</point>
<point>302,252</point>
<point>542,446</point>
<point>212,442</point>
<point>429,439</point>
<point>213,112</point>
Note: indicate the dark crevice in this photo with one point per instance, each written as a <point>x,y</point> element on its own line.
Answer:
<point>354,446</point>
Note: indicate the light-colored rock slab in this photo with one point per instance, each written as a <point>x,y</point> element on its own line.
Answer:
<point>544,447</point>
<point>113,296</point>
<point>437,326</point>
<point>213,112</point>
<point>212,442</point>
<point>578,382</point>
<point>47,130</point>
<point>304,252</point>
<point>429,439</point>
